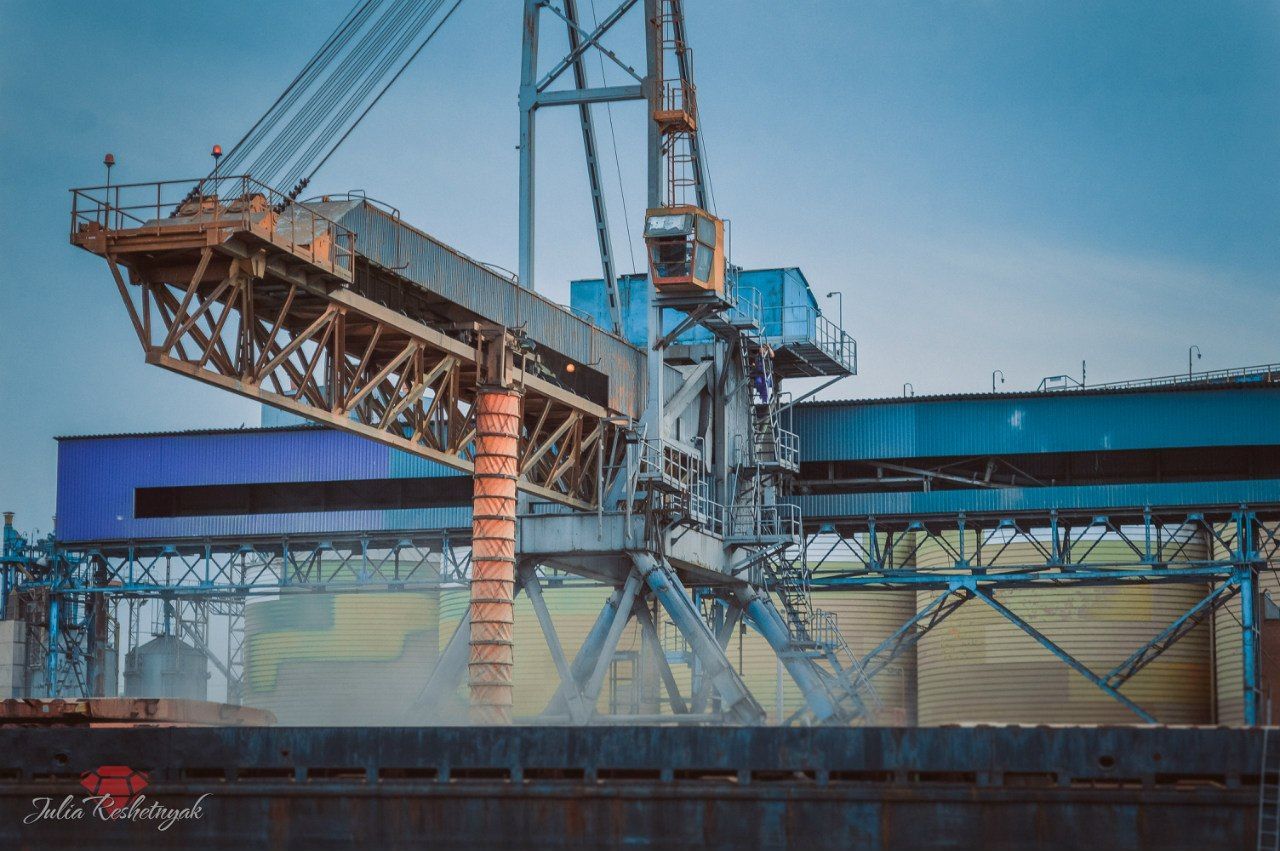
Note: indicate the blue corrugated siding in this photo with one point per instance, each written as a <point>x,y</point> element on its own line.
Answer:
<point>1089,498</point>
<point>1065,422</point>
<point>97,478</point>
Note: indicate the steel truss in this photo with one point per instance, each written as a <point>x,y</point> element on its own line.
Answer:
<point>62,594</point>
<point>224,298</point>
<point>1242,542</point>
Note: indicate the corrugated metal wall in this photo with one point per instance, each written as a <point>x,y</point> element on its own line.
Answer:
<point>452,275</point>
<point>97,477</point>
<point>1055,422</point>
<point>777,288</point>
<point>978,667</point>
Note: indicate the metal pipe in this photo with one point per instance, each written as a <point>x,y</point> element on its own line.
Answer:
<point>801,668</point>
<point>493,554</point>
<point>734,694</point>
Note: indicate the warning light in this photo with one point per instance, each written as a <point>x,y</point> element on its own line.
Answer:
<point>570,368</point>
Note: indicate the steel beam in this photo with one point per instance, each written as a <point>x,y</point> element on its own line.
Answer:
<point>587,95</point>
<point>662,581</point>
<point>1071,662</point>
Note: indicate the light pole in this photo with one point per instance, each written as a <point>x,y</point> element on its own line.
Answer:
<point>109,160</point>
<point>839,297</point>
<point>1196,349</point>
<point>999,372</point>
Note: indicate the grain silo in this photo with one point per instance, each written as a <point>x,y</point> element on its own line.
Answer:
<point>341,659</point>
<point>166,666</point>
<point>978,667</point>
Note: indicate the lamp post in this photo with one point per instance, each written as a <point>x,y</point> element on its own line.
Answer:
<point>1191,349</point>
<point>109,160</point>
<point>839,297</point>
<point>999,372</point>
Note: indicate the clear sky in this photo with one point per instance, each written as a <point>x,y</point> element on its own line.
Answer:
<point>992,184</point>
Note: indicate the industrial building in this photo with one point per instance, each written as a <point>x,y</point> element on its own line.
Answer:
<point>585,570</point>
<point>1185,447</point>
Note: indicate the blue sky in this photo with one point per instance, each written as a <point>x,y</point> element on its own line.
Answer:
<point>999,184</point>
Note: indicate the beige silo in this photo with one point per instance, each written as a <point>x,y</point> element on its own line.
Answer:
<point>978,667</point>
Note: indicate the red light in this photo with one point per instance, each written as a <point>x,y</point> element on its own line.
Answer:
<point>109,160</point>
<point>217,150</point>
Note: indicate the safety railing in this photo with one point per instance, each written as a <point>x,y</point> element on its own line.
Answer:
<point>1262,374</point>
<point>667,466</point>
<point>677,98</point>
<point>746,304</point>
<point>224,202</point>
<point>670,470</point>
<point>802,324</point>
<point>778,522</point>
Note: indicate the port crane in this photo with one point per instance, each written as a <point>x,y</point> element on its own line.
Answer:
<point>660,469</point>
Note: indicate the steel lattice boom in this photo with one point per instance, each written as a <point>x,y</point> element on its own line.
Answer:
<point>245,290</point>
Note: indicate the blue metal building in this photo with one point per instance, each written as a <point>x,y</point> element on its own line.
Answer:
<point>241,483</point>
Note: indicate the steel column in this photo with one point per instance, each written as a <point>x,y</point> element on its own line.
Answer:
<point>738,701</point>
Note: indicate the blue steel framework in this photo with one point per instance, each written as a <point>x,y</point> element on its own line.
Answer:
<point>68,594</point>
<point>227,571</point>
<point>1247,537</point>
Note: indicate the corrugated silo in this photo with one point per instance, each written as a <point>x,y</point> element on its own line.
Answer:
<point>978,667</point>
<point>340,659</point>
<point>166,666</point>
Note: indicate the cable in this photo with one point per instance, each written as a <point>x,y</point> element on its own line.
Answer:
<point>384,62</point>
<point>617,162</point>
<point>355,63</point>
<point>374,102</point>
<point>353,21</point>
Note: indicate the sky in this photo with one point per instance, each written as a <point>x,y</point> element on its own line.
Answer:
<point>992,184</point>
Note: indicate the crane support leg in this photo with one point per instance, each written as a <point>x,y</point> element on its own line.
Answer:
<point>665,585</point>
<point>762,613</point>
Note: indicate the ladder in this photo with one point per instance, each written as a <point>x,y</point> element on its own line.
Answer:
<point>1269,795</point>
<point>846,664</point>
<point>789,576</point>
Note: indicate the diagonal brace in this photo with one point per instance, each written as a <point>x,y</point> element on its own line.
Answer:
<point>1071,661</point>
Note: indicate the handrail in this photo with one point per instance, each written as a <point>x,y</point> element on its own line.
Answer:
<point>1266,372</point>
<point>236,202</point>
<point>786,324</point>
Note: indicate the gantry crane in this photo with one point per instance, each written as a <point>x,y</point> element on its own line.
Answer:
<point>655,470</point>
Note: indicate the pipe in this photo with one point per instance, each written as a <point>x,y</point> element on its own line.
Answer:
<point>493,554</point>
<point>738,701</point>
<point>767,620</point>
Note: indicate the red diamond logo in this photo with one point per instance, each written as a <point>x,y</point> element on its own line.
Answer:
<point>120,784</point>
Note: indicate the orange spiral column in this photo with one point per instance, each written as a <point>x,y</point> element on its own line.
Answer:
<point>493,554</point>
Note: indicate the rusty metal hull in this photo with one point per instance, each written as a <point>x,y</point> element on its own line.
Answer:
<point>882,788</point>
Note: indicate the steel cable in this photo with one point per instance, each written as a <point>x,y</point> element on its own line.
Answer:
<point>315,66</point>
<point>310,114</point>
<point>379,70</point>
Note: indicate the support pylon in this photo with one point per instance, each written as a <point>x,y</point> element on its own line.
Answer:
<point>493,554</point>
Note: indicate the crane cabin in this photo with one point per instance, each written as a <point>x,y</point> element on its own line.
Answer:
<point>686,249</point>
